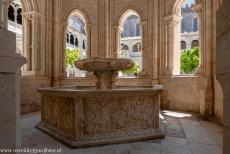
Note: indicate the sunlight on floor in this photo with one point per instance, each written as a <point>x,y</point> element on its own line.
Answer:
<point>176,114</point>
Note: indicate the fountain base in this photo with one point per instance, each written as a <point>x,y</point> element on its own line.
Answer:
<point>89,117</point>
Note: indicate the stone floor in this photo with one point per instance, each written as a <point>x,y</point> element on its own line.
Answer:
<point>186,133</point>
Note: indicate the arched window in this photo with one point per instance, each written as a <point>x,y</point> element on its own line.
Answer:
<point>67,38</point>
<point>130,24</point>
<point>182,26</point>
<point>195,44</point>
<point>188,25</point>
<point>183,45</point>
<point>76,42</point>
<point>77,27</point>
<point>11,16</point>
<point>137,47</point>
<point>83,44</point>
<point>19,16</point>
<point>195,25</point>
<point>138,30</point>
<point>125,47</point>
<point>71,39</point>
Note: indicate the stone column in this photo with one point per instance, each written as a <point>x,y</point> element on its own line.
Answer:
<point>10,63</point>
<point>64,36</point>
<point>144,36</point>
<point>34,41</point>
<point>118,30</point>
<point>205,80</point>
<point>88,39</point>
<point>172,51</point>
<point>223,66</point>
<point>198,10</point>
<point>176,44</point>
<point>5,6</point>
<point>1,10</point>
<point>27,41</point>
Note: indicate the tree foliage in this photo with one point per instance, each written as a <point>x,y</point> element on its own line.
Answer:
<point>72,55</point>
<point>189,60</point>
<point>134,70</point>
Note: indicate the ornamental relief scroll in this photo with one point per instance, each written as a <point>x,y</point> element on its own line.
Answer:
<point>119,114</point>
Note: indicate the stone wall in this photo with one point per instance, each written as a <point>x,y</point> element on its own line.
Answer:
<point>182,93</point>
<point>30,98</point>
<point>223,65</point>
<point>218,102</point>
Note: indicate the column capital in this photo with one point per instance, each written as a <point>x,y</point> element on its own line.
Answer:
<point>27,16</point>
<point>197,8</point>
<point>172,20</point>
<point>143,23</point>
<point>65,25</point>
<point>31,14</point>
<point>118,28</point>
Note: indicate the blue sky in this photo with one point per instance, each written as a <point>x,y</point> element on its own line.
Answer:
<point>189,2</point>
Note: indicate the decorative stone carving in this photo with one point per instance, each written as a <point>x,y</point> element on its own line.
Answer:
<point>91,117</point>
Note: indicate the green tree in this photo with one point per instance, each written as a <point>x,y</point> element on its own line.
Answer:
<point>189,60</point>
<point>134,70</point>
<point>72,55</point>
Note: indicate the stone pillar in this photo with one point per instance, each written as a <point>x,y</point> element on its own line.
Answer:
<point>5,6</point>
<point>10,63</point>
<point>197,8</point>
<point>64,36</point>
<point>88,39</point>
<point>118,30</point>
<point>172,51</point>
<point>1,13</point>
<point>34,41</point>
<point>27,41</point>
<point>205,80</point>
<point>144,35</point>
<point>223,66</point>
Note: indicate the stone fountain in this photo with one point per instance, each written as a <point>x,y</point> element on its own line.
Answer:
<point>89,116</point>
<point>105,69</point>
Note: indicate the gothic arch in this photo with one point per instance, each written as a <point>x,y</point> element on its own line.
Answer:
<point>78,11</point>
<point>29,5</point>
<point>120,20</point>
<point>131,8</point>
<point>177,7</point>
<point>87,20</point>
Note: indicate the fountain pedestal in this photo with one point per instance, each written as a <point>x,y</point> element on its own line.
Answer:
<point>91,116</point>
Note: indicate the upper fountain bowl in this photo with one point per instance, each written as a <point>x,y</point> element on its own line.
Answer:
<point>104,64</point>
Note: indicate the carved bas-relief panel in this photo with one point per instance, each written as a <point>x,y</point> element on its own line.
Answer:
<point>119,113</point>
<point>82,118</point>
<point>59,113</point>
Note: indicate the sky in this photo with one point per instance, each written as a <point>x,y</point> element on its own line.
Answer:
<point>189,2</point>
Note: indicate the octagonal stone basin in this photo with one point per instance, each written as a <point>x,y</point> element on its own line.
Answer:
<point>85,116</point>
